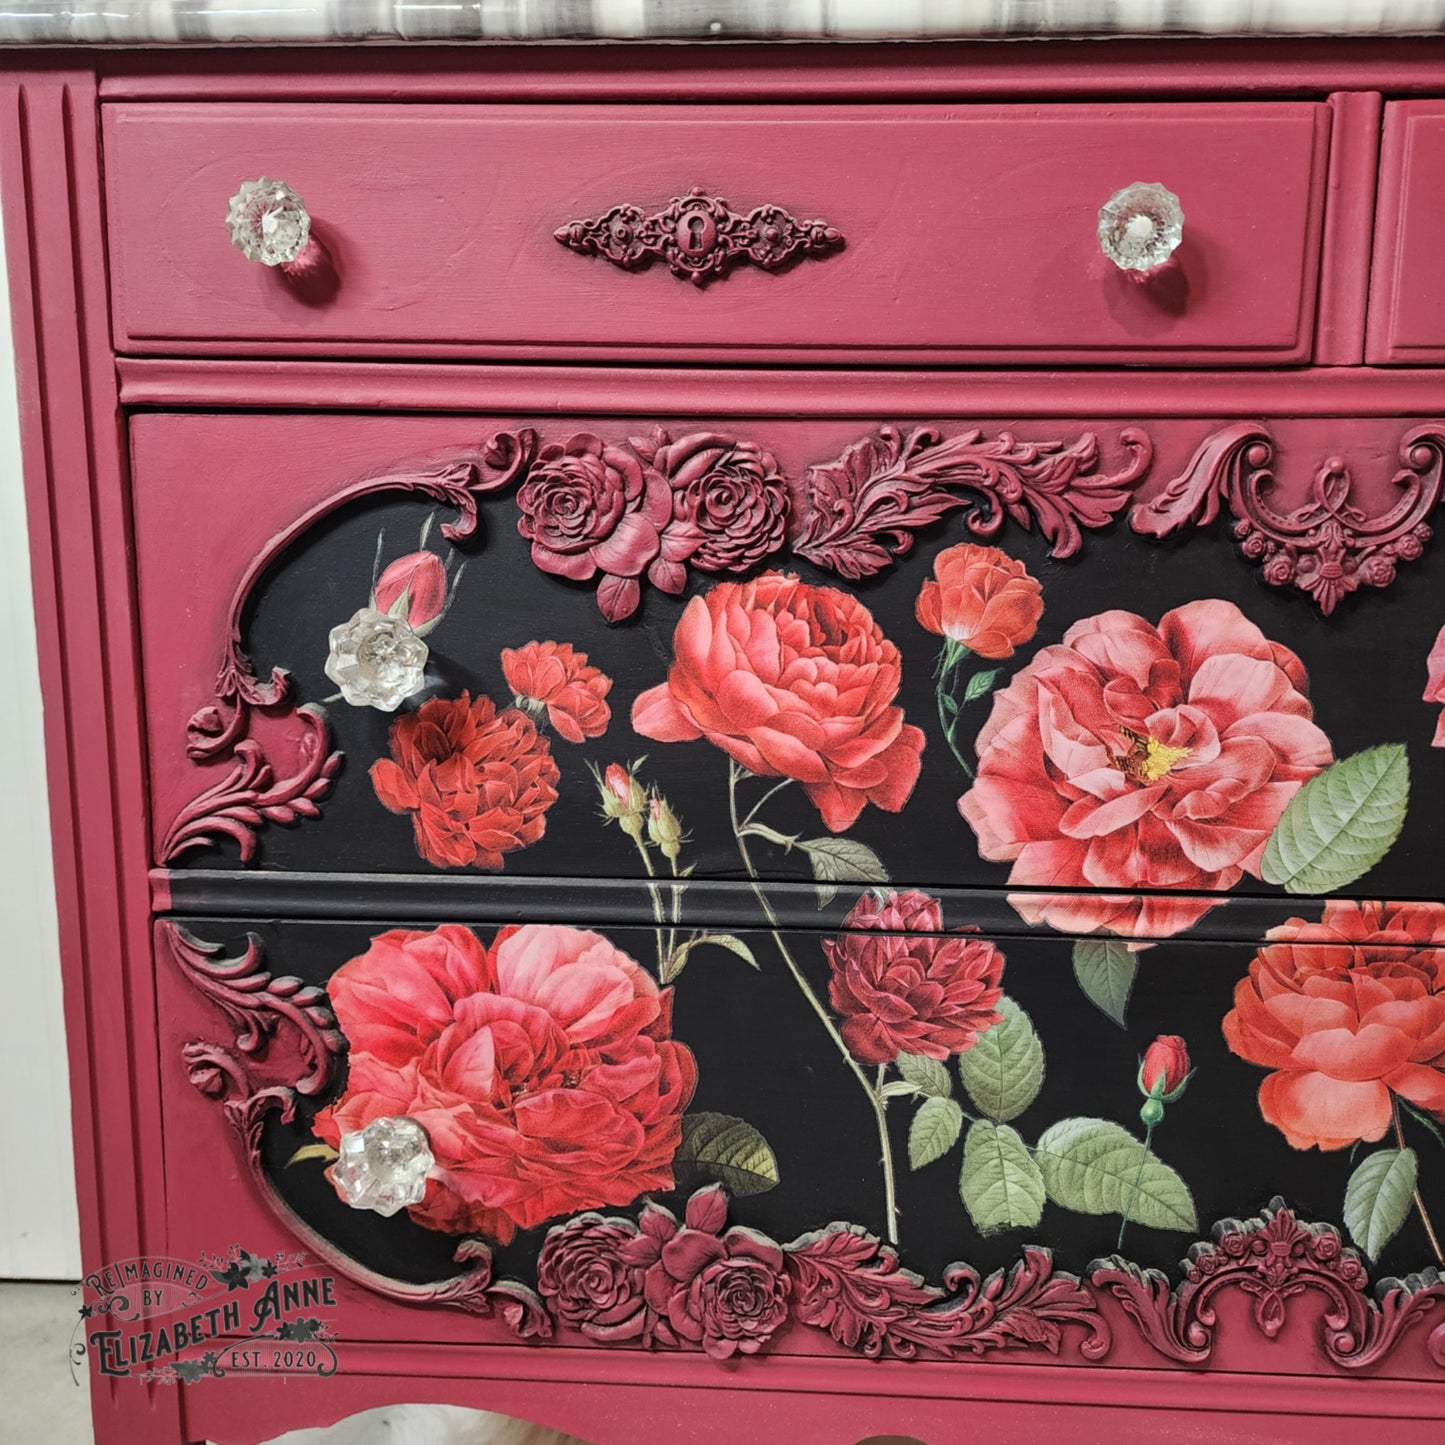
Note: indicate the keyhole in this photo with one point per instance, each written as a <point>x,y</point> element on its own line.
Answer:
<point>696,229</point>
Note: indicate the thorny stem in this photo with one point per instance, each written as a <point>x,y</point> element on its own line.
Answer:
<point>875,1098</point>
<point>753,811</point>
<point>663,951</point>
<point>948,661</point>
<point>1419,1202</point>
<point>1134,1187</point>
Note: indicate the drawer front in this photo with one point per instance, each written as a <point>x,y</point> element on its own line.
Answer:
<point>966,232</point>
<point>1142,713</point>
<point>801,1152</point>
<point>1407,299</point>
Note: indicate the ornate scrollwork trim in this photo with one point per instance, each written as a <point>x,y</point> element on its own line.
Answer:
<point>1274,1259</point>
<point>1329,546</point>
<point>698,237</point>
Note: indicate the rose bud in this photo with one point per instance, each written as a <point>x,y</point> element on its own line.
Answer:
<point>664,828</point>
<point>413,587</point>
<point>1163,1074</point>
<point>623,798</point>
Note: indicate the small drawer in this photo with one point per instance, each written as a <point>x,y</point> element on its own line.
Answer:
<point>964,233</point>
<point>1407,297</point>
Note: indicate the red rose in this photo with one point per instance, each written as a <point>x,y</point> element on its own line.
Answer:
<point>477,782</point>
<point>1435,686</point>
<point>906,987</point>
<point>983,599</point>
<point>422,580</point>
<point>552,677</point>
<point>794,682</point>
<point>729,501</point>
<point>541,1069</point>
<point>1347,1012</point>
<point>589,507</point>
<point>1141,757</point>
<point>1165,1066</point>
<point>581,1270</point>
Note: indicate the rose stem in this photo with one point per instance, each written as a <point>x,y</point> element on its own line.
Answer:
<point>890,1194</point>
<point>948,661</point>
<point>1419,1202</point>
<point>1134,1187</point>
<point>664,954</point>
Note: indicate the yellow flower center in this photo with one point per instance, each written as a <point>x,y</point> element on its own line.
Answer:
<point>1148,759</point>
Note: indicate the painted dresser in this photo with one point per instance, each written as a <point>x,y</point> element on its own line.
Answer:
<point>746,740</point>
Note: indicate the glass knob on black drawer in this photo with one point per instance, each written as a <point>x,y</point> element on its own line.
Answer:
<point>1141,226</point>
<point>384,1166</point>
<point>268,222</point>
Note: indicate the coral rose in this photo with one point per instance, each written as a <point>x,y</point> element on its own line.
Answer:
<point>1435,686</point>
<point>982,599</point>
<point>729,500</point>
<point>590,507</point>
<point>1347,1012</point>
<point>1142,757</point>
<point>552,677</point>
<point>795,682</point>
<point>541,1069</point>
<point>905,986</point>
<point>477,782</point>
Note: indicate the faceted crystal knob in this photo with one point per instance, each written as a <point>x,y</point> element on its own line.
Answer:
<point>268,222</point>
<point>1140,226</point>
<point>383,1166</point>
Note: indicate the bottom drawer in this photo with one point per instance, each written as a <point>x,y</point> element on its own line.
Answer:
<point>773,1163</point>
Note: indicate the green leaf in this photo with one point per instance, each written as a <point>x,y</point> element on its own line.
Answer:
<point>979,684</point>
<point>676,961</point>
<point>313,1151</point>
<point>729,1150</point>
<point>1378,1197</point>
<point>1105,969</point>
<point>928,1076</point>
<point>949,705</point>
<point>1001,1186</point>
<point>841,860</point>
<point>1093,1166</point>
<point>934,1131</point>
<point>1341,823</point>
<point>1004,1071</point>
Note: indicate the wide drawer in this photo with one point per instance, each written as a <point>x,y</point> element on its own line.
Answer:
<point>1407,296</point>
<point>964,232</point>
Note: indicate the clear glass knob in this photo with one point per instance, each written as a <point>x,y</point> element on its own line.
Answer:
<point>384,1166</point>
<point>268,222</point>
<point>1140,226</point>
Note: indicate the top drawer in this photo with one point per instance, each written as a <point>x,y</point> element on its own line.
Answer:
<point>969,232</point>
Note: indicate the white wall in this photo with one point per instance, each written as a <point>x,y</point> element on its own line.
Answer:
<point>39,1235</point>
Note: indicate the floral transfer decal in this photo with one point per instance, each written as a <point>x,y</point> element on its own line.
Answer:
<point>476,782</point>
<point>553,680</point>
<point>1435,686</point>
<point>1142,756</point>
<point>542,1069</point>
<point>795,682</point>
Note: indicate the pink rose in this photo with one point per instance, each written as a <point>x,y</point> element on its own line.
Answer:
<point>906,987</point>
<point>1141,757</point>
<point>794,682</point>
<point>421,579</point>
<point>590,507</point>
<point>541,1069</point>
<point>1435,686</point>
<point>729,501</point>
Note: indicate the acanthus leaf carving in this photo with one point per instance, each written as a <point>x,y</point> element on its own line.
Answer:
<point>1275,1259</point>
<point>856,515</point>
<point>698,237</point>
<point>1327,547</point>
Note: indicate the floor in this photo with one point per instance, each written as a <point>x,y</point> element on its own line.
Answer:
<point>42,1405</point>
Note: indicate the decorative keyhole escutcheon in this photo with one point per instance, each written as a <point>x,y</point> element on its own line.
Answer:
<point>699,237</point>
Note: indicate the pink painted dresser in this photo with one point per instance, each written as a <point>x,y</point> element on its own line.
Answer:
<point>746,740</point>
